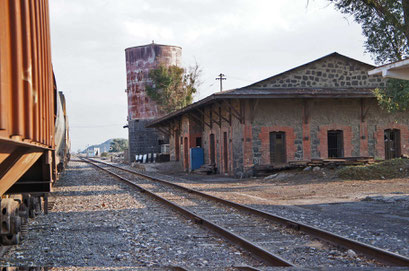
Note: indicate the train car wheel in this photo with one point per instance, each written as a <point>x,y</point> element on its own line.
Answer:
<point>10,239</point>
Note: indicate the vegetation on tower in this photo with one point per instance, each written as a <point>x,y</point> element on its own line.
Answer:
<point>172,87</point>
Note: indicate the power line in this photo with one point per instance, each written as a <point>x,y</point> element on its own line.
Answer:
<point>95,126</point>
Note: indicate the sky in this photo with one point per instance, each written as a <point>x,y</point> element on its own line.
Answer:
<point>247,40</point>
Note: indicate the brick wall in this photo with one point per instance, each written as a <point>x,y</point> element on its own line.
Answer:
<point>249,142</point>
<point>323,139</point>
<point>332,113</point>
<point>379,139</point>
<point>265,142</point>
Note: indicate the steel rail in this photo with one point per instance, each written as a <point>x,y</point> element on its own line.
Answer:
<point>261,253</point>
<point>375,253</point>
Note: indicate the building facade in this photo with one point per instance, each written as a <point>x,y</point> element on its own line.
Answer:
<point>142,109</point>
<point>323,109</point>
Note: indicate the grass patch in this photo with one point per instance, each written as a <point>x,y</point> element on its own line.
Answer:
<point>389,169</point>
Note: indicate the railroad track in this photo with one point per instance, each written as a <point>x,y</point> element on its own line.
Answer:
<point>276,240</point>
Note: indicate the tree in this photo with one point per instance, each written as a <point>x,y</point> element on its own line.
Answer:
<point>395,97</point>
<point>385,24</point>
<point>173,87</point>
<point>118,145</point>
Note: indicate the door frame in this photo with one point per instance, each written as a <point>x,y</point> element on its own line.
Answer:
<point>396,143</point>
<point>273,149</point>
<point>340,144</point>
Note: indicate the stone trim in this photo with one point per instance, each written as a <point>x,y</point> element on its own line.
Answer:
<point>247,146</point>
<point>363,140</point>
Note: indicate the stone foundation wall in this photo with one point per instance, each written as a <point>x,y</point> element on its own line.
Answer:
<point>142,140</point>
<point>332,71</point>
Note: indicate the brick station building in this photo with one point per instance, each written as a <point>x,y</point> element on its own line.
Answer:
<point>322,109</point>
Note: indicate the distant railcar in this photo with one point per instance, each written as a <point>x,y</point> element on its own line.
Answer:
<point>34,141</point>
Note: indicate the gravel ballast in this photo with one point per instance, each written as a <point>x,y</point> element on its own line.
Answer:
<point>97,221</point>
<point>377,220</point>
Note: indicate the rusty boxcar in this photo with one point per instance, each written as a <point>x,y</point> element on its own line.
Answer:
<point>29,107</point>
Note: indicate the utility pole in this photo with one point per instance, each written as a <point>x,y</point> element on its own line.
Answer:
<point>221,78</point>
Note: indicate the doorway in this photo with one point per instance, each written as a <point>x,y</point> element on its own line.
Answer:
<point>335,143</point>
<point>278,154</point>
<point>199,142</point>
<point>177,147</point>
<point>392,143</point>
<point>185,153</point>
<point>225,154</point>
<point>212,150</point>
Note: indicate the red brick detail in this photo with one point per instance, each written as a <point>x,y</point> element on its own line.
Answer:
<point>192,139</point>
<point>323,138</point>
<point>265,142</point>
<point>306,142</point>
<point>363,140</point>
<point>247,146</point>
<point>379,139</point>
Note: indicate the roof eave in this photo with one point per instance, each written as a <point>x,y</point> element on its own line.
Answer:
<point>398,70</point>
<point>214,97</point>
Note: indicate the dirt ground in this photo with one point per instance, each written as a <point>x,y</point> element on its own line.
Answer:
<point>295,187</point>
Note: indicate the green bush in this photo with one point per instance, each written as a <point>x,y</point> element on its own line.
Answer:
<point>389,169</point>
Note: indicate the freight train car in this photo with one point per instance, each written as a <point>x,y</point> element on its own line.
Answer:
<point>34,142</point>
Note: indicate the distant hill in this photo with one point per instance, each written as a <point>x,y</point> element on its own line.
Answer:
<point>103,147</point>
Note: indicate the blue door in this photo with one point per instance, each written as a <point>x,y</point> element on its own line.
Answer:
<point>196,158</point>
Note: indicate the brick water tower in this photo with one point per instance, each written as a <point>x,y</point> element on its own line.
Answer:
<point>141,109</point>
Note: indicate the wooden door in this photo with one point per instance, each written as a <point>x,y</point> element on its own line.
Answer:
<point>392,143</point>
<point>225,154</point>
<point>278,154</point>
<point>177,147</point>
<point>212,150</point>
